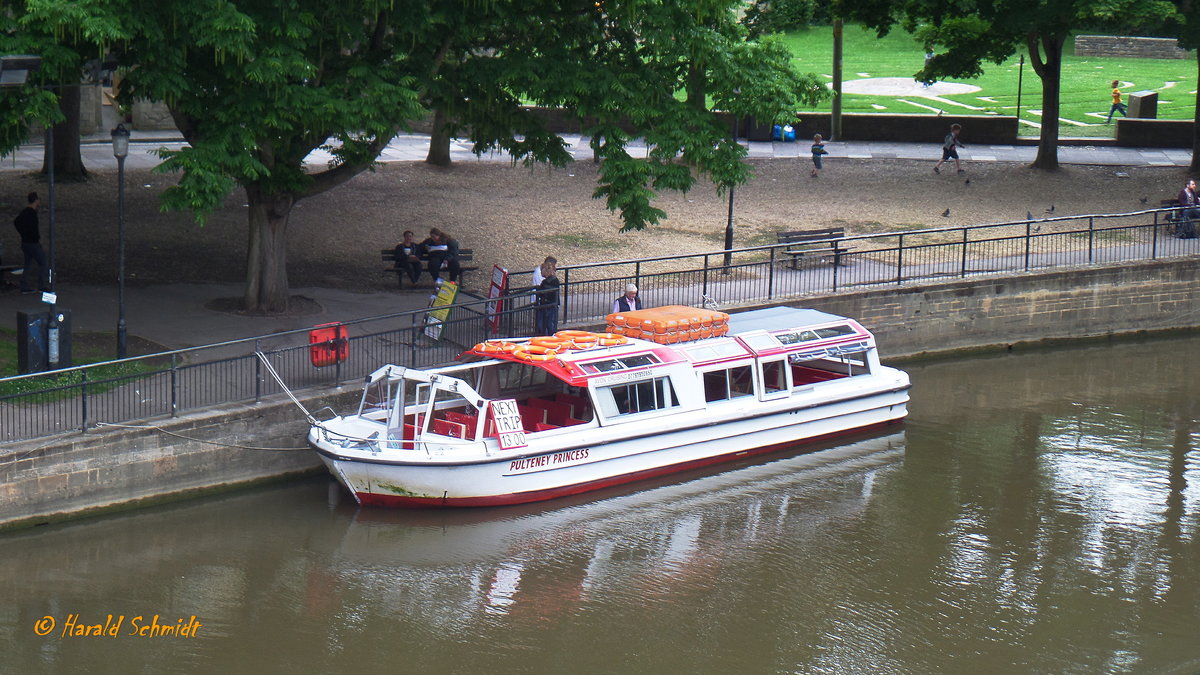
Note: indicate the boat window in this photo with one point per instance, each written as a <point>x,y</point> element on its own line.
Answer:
<point>807,371</point>
<point>515,377</point>
<point>808,335</point>
<point>715,351</point>
<point>638,397</point>
<point>774,376</point>
<point>609,365</point>
<point>376,396</point>
<point>728,383</point>
<point>449,399</point>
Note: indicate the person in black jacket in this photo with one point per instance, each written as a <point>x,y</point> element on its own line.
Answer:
<point>546,318</point>
<point>26,223</point>
<point>1186,229</point>
<point>408,260</point>
<point>629,302</point>
<point>442,248</point>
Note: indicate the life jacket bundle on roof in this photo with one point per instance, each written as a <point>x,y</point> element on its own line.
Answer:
<point>669,324</point>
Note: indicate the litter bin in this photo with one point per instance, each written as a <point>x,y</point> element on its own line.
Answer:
<point>33,347</point>
<point>1143,105</point>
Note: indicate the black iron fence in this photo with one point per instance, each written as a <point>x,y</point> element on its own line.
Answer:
<point>166,384</point>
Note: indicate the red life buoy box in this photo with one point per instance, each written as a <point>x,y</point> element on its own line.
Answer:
<point>328,344</point>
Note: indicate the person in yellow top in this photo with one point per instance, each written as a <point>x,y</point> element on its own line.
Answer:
<point>1117,106</point>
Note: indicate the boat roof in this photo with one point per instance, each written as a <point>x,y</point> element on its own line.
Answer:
<point>760,332</point>
<point>774,318</point>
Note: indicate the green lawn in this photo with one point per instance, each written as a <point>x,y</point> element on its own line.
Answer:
<point>87,348</point>
<point>1085,88</point>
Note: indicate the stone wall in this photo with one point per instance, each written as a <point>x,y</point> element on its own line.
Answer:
<point>197,453</point>
<point>1000,312</point>
<point>1140,133</point>
<point>50,479</point>
<point>1129,47</point>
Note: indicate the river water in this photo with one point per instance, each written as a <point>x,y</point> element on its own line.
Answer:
<point>1037,513</point>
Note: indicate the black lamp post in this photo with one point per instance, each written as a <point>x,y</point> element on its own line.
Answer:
<point>120,141</point>
<point>729,223</point>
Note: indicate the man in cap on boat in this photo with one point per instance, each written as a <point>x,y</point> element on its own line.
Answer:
<point>628,302</point>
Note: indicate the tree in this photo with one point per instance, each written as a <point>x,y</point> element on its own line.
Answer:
<point>971,33</point>
<point>1187,23</point>
<point>256,85</point>
<point>70,38</point>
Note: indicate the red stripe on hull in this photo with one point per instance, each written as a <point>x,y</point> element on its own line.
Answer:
<point>398,501</point>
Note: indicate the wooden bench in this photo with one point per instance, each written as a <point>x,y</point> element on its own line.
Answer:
<point>464,255</point>
<point>824,241</point>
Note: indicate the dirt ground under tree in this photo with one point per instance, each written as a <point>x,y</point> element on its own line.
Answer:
<point>514,216</point>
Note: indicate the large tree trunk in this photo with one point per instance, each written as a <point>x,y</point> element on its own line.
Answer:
<point>68,162</point>
<point>439,140</point>
<point>266,255</point>
<point>1196,122</point>
<point>1049,69</point>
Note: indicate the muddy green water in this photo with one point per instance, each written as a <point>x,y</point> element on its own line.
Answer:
<point>1038,513</point>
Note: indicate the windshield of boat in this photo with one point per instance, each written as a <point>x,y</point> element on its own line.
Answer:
<point>376,399</point>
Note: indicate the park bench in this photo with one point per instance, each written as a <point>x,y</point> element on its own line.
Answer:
<point>465,255</point>
<point>1174,218</point>
<point>5,270</point>
<point>820,242</point>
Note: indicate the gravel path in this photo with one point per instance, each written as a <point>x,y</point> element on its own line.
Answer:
<point>514,216</point>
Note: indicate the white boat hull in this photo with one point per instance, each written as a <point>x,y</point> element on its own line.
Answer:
<point>580,460</point>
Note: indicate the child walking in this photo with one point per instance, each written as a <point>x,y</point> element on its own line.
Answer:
<point>950,148</point>
<point>818,149</point>
<point>1117,106</point>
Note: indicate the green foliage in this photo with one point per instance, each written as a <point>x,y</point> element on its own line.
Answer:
<point>65,33</point>
<point>764,17</point>
<point>257,85</point>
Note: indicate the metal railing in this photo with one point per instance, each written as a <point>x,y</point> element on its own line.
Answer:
<point>169,383</point>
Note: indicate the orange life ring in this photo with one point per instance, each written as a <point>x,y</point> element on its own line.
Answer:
<point>610,339</point>
<point>572,334</point>
<point>537,349</point>
<point>527,355</point>
<point>549,342</point>
<point>585,341</point>
<point>495,347</point>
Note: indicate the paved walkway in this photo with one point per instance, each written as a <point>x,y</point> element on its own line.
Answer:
<point>175,316</point>
<point>97,152</point>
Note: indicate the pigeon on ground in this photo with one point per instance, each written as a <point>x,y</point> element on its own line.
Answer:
<point>946,213</point>
<point>1051,209</point>
<point>1143,199</point>
<point>1029,215</point>
<point>967,181</point>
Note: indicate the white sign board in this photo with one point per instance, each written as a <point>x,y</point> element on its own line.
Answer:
<point>509,427</point>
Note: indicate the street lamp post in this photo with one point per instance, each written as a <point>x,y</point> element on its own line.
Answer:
<point>729,222</point>
<point>120,141</point>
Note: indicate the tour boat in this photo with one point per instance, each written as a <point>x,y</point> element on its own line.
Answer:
<point>530,419</point>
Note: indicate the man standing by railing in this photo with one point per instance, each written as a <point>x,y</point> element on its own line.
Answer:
<point>1190,211</point>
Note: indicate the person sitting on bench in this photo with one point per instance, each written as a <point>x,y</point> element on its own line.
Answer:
<point>408,261</point>
<point>1190,211</point>
<point>442,248</point>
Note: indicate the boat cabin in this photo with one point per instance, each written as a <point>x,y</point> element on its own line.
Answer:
<point>504,394</point>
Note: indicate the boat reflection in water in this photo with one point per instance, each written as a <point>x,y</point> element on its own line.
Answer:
<point>457,563</point>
